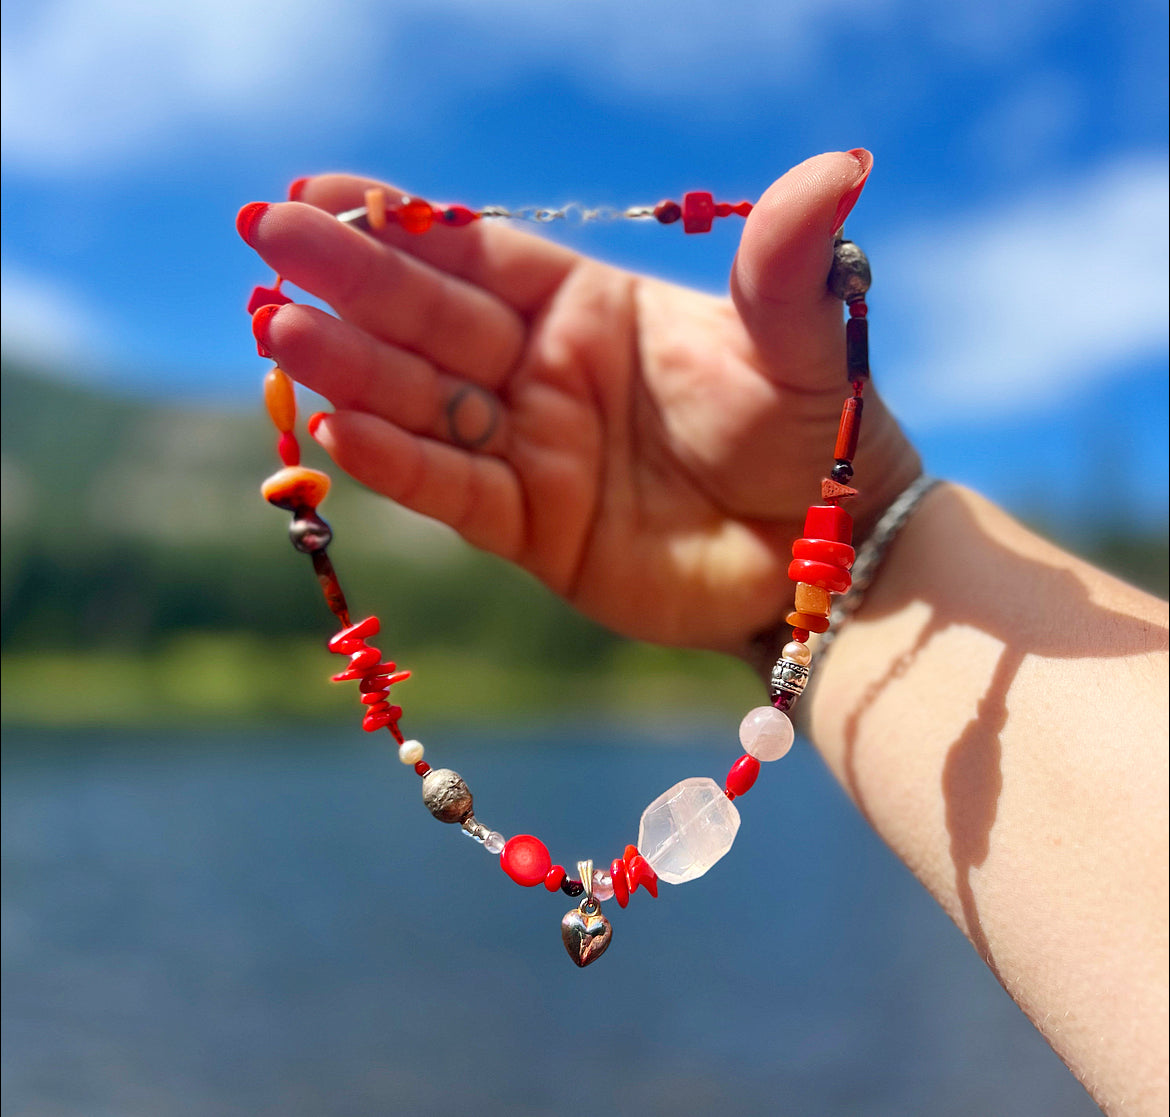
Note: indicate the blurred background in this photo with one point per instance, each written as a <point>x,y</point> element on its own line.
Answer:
<point>218,897</point>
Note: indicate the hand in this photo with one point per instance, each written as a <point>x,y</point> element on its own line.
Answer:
<point>645,450</point>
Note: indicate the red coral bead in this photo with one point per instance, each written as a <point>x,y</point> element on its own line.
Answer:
<point>526,860</point>
<point>457,215</point>
<point>835,579</point>
<point>698,210</point>
<point>374,697</point>
<point>743,774</point>
<point>422,767</point>
<point>639,872</point>
<point>553,878</point>
<point>621,884</point>
<point>375,721</point>
<point>828,521</point>
<point>824,550</point>
<point>266,296</point>
<point>288,448</point>
<point>356,632</point>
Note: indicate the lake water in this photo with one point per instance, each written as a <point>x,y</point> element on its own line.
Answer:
<point>272,924</point>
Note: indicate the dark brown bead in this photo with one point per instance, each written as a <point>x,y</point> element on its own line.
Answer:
<point>667,213</point>
<point>857,348</point>
<point>842,472</point>
<point>572,887</point>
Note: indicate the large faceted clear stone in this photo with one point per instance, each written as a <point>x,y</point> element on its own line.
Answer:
<point>687,829</point>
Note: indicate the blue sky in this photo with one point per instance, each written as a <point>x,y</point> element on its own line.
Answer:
<point>1016,217</point>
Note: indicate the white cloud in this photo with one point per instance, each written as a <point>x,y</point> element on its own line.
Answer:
<point>1032,303</point>
<point>45,323</point>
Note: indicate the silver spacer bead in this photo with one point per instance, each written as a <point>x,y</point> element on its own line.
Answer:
<point>849,277</point>
<point>447,797</point>
<point>789,677</point>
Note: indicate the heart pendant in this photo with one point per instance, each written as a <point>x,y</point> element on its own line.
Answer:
<point>586,932</point>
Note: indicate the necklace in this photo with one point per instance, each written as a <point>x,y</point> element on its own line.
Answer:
<point>689,827</point>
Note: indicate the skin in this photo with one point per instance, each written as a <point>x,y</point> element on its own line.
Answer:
<point>654,452</point>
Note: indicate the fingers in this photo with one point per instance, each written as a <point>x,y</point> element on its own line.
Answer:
<point>778,280</point>
<point>478,496</point>
<point>390,294</point>
<point>521,270</point>
<point>356,372</point>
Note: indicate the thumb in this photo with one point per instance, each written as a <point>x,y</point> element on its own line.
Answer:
<point>778,279</point>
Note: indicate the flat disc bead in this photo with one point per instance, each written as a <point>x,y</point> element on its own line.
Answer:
<point>766,733</point>
<point>295,487</point>
<point>526,860</point>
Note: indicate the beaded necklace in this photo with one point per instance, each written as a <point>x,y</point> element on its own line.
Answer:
<point>693,824</point>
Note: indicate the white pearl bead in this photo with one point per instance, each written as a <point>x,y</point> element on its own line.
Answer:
<point>410,752</point>
<point>766,733</point>
<point>494,842</point>
<point>797,652</point>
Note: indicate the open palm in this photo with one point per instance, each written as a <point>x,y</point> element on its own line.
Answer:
<point>645,450</point>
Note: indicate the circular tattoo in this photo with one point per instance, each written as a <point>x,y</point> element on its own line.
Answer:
<point>472,416</point>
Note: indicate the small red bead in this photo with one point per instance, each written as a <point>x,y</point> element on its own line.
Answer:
<point>698,209</point>
<point>722,209</point>
<point>377,720</point>
<point>621,885</point>
<point>827,521</point>
<point>858,309</point>
<point>457,215</point>
<point>824,550</point>
<point>743,774</point>
<point>374,682</point>
<point>415,215</point>
<point>289,448</point>
<point>553,878</point>
<point>729,793</point>
<point>742,208</point>
<point>800,635</point>
<point>374,697</point>
<point>630,852</point>
<point>422,767</point>
<point>835,579</point>
<point>667,213</point>
<point>526,860</point>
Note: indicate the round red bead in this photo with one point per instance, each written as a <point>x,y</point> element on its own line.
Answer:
<point>422,767</point>
<point>415,215</point>
<point>526,860</point>
<point>288,448</point>
<point>554,877</point>
<point>621,883</point>
<point>667,213</point>
<point>835,579</point>
<point>743,774</point>
<point>800,635</point>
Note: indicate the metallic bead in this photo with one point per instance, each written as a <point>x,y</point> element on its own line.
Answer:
<point>849,277</point>
<point>473,828</point>
<point>789,677</point>
<point>446,795</point>
<point>309,533</point>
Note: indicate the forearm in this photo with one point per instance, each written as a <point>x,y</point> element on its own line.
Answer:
<point>997,709</point>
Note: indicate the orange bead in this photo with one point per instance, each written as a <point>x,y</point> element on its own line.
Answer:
<point>415,215</point>
<point>376,208</point>
<point>281,400</point>
<point>808,621</point>
<point>813,600</point>
<point>296,487</point>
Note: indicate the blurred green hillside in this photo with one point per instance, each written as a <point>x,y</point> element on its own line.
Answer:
<point>144,582</point>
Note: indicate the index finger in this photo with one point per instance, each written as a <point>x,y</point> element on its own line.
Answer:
<point>521,269</point>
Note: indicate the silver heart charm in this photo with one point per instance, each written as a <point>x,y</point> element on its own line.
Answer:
<point>586,932</point>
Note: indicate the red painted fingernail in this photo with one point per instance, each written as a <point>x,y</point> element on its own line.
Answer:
<point>296,188</point>
<point>315,420</point>
<point>260,323</point>
<point>248,218</point>
<point>849,198</point>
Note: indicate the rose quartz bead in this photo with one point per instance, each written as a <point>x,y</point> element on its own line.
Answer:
<point>602,885</point>
<point>766,733</point>
<point>687,829</point>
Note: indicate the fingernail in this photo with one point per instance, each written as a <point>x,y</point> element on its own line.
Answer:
<point>296,188</point>
<point>849,198</point>
<point>248,218</point>
<point>260,323</point>
<point>315,420</point>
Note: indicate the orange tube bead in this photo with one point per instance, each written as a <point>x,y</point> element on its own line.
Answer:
<point>281,400</point>
<point>848,430</point>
